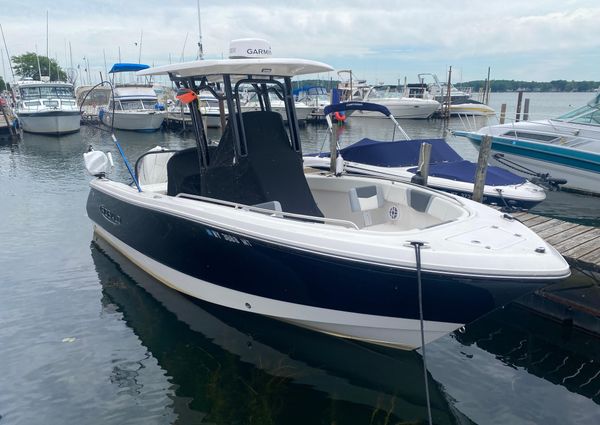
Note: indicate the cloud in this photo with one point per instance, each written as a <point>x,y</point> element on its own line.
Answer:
<point>384,38</point>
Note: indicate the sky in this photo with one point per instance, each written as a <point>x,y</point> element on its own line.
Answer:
<point>381,41</point>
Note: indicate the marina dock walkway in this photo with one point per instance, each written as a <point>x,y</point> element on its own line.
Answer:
<point>579,244</point>
<point>571,302</point>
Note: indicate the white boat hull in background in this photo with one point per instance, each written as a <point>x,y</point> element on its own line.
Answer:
<point>405,108</point>
<point>51,122</point>
<point>134,120</point>
<point>471,109</point>
<point>303,112</point>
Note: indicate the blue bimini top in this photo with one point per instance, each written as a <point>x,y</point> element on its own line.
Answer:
<point>127,67</point>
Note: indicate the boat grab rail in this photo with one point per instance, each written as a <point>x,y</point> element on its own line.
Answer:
<point>282,214</point>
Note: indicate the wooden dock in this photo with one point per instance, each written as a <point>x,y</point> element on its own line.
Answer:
<point>580,245</point>
<point>7,131</point>
<point>575,302</point>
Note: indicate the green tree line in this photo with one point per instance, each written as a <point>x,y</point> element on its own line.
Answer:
<point>28,65</point>
<point>535,86</point>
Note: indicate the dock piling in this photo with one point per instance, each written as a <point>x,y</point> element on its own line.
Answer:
<point>503,113</point>
<point>526,110</point>
<point>519,100</point>
<point>482,163</point>
<point>423,170</point>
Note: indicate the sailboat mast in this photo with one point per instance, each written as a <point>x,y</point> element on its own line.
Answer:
<point>140,53</point>
<point>47,50</point>
<point>200,49</point>
<point>37,57</point>
<point>12,72</point>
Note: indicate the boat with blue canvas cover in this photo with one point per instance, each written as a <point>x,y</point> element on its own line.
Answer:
<point>241,225</point>
<point>565,149</point>
<point>448,171</point>
<point>133,106</point>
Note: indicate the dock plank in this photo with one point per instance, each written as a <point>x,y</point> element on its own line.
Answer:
<point>592,257</point>
<point>546,226</point>
<point>526,217</point>
<point>567,234</point>
<point>537,220</point>
<point>558,229</point>
<point>590,237</point>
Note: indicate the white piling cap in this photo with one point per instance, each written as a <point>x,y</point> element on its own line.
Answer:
<point>249,48</point>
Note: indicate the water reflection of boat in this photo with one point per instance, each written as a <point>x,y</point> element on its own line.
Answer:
<point>545,348</point>
<point>234,365</point>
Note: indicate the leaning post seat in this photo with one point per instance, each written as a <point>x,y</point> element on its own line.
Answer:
<point>271,170</point>
<point>183,173</point>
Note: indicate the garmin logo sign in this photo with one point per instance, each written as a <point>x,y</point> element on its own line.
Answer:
<point>249,48</point>
<point>254,52</point>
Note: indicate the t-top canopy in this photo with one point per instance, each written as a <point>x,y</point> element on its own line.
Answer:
<point>128,67</point>
<point>281,67</point>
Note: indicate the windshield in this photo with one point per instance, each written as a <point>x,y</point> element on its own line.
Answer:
<point>47,91</point>
<point>587,114</point>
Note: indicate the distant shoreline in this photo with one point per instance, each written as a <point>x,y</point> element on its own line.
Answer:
<point>556,86</point>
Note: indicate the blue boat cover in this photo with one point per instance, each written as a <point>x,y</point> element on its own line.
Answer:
<point>445,162</point>
<point>336,95</point>
<point>402,153</point>
<point>127,67</point>
<point>353,105</point>
<point>464,171</point>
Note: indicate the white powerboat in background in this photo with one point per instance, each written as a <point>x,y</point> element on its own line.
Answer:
<point>91,99</point>
<point>47,107</point>
<point>399,105</point>
<point>209,107</point>
<point>132,106</point>
<point>448,171</point>
<point>240,225</point>
<point>252,103</point>
<point>315,97</point>
<point>461,102</point>
<point>563,151</point>
<point>392,97</point>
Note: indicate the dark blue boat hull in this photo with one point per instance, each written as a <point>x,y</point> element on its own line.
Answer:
<point>278,272</point>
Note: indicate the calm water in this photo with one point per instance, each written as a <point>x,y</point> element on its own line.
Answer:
<point>85,337</point>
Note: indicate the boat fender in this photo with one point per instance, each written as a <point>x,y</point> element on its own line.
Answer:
<point>101,114</point>
<point>96,163</point>
<point>339,165</point>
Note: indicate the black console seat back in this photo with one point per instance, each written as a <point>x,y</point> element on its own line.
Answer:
<point>183,171</point>
<point>271,170</point>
